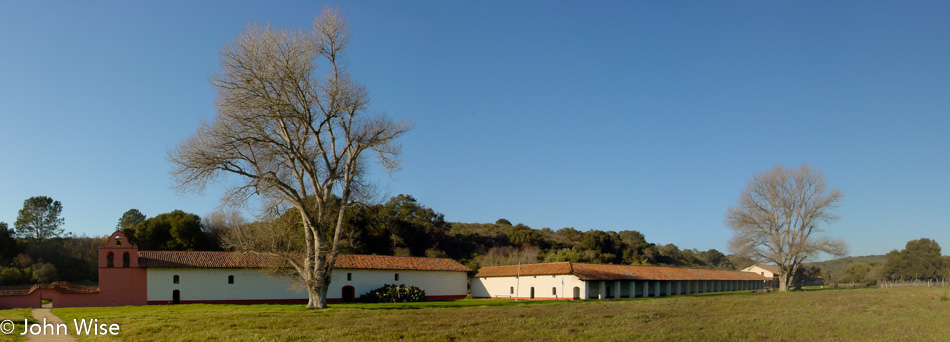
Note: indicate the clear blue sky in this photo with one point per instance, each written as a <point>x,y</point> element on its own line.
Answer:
<point>614,115</point>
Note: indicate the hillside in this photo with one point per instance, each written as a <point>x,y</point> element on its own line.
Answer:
<point>836,266</point>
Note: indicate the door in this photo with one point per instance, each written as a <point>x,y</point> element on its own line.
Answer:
<point>176,297</point>
<point>348,293</point>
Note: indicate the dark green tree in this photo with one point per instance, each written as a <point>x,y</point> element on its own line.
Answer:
<point>177,231</point>
<point>129,220</point>
<point>40,218</point>
<point>805,275</point>
<point>606,246</point>
<point>8,245</point>
<point>920,259</point>
<point>522,235</point>
<point>412,225</point>
<point>856,272</point>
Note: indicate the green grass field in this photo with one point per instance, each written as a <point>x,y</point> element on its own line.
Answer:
<point>17,316</point>
<point>907,314</point>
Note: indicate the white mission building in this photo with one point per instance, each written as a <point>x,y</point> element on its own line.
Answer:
<point>221,277</point>
<point>571,280</point>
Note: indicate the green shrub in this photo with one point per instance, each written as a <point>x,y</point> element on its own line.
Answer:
<point>392,293</point>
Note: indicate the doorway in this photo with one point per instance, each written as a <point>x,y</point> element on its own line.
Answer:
<point>348,293</point>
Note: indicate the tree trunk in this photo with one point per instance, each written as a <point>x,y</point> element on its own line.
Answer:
<point>312,297</point>
<point>783,280</point>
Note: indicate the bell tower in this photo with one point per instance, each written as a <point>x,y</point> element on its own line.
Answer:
<point>121,280</point>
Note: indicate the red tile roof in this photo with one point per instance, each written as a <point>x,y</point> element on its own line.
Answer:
<point>616,272</point>
<point>59,287</point>
<point>189,259</point>
<point>771,268</point>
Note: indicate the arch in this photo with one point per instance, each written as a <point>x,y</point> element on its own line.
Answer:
<point>176,297</point>
<point>126,259</point>
<point>349,293</point>
<point>110,260</point>
<point>577,292</point>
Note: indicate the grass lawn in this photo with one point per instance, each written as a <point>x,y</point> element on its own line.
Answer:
<point>17,316</point>
<point>848,315</point>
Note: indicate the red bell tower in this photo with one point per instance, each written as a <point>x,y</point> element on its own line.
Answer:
<point>121,281</point>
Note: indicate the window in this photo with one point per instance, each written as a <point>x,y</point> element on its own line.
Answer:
<point>175,279</point>
<point>230,279</point>
<point>110,260</point>
<point>512,290</point>
<point>554,291</point>
<point>397,276</point>
<point>349,276</point>
<point>126,259</point>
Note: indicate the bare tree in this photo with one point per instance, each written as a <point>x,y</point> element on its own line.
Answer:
<point>298,138</point>
<point>776,219</point>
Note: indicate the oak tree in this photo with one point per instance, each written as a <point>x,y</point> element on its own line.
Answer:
<point>299,136</point>
<point>778,216</point>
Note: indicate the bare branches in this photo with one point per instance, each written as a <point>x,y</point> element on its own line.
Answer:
<point>778,215</point>
<point>292,137</point>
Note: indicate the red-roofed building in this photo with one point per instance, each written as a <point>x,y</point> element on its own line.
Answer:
<point>571,280</point>
<point>128,276</point>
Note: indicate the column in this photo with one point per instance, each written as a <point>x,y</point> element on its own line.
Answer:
<point>617,289</point>
<point>603,290</point>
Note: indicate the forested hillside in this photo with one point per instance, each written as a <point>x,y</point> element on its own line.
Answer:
<point>403,226</point>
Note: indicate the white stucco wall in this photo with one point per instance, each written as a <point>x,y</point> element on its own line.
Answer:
<point>501,287</point>
<point>434,283</point>
<point>760,271</point>
<point>254,284</point>
<point>212,284</point>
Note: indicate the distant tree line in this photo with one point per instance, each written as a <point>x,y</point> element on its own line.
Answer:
<point>403,226</point>
<point>919,260</point>
<point>38,250</point>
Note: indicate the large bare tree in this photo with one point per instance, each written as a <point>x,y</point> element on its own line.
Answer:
<point>777,219</point>
<point>299,137</point>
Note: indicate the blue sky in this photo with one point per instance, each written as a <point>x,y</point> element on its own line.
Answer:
<point>613,115</point>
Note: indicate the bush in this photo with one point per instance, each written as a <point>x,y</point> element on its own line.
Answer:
<point>14,276</point>
<point>45,273</point>
<point>392,293</point>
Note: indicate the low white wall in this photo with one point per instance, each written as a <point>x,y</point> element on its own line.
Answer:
<point>254,284</point>
<point>544,286</point>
